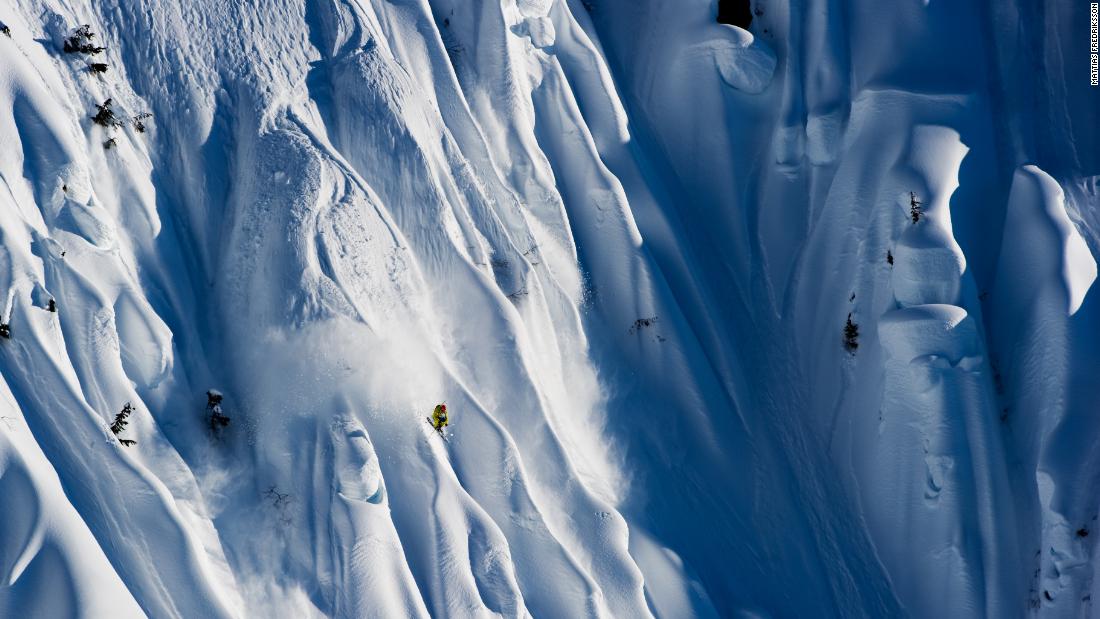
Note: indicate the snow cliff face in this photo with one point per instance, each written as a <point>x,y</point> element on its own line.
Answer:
<point>618,239</point>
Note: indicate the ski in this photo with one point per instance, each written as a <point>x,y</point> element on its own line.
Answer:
<point>437,431</point>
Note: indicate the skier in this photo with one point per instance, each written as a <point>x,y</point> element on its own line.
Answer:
<point>439,418</point>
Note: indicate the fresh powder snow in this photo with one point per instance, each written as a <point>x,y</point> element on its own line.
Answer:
<point>739,308</point>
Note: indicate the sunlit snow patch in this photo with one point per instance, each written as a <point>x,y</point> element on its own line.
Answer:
<point>1037,220</point>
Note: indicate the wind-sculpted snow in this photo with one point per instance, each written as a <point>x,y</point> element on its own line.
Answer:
<point>620,240</point>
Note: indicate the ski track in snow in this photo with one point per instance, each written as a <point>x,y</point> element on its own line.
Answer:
<point>619,240</point>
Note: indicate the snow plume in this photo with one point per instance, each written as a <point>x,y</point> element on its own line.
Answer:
<point>792,320</point>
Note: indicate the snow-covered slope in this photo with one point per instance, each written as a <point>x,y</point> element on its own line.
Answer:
<point>621,241</point>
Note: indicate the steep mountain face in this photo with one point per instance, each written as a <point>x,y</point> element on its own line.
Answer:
<point>795,321</point>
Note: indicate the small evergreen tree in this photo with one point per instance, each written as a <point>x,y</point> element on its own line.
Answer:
<point>642,323</point>
<point>51,306</point>
<point>889,258</point>
<point>121,418</point>
<point>915,210</point>
<point>80,41</point>
<point>5,330</point>
<point>98,67</point>
<point>139,121</point>
<point>120,423</point>
<point>5,30</point>
<point>851,335</point>
<point>105,115</point>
